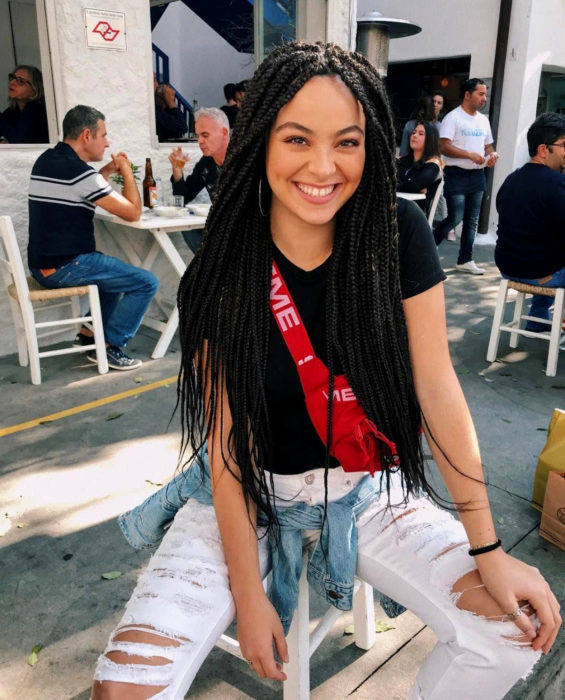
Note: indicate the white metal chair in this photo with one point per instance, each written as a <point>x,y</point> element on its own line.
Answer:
<point>23,292</point>
<point>302,643</point>
<point>435,202</point>
<point>553,335</point>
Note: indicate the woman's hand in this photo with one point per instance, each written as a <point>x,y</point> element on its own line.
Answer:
<point>258,626</point>
<point>510,582</point>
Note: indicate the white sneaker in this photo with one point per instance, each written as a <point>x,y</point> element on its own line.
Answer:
<point>471,267</point>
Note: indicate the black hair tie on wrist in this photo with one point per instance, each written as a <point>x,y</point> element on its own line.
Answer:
<point>485,548</point>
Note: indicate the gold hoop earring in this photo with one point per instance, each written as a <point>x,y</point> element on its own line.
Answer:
<point>261,197</point>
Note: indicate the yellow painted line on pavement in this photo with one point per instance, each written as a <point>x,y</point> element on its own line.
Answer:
<point>86,406</point>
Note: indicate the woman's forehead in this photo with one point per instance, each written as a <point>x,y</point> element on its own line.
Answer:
<point>323,96</point>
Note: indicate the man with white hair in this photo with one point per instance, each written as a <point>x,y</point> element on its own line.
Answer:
<point>213,132</point>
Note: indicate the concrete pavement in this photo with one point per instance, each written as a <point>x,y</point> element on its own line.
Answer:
<point>63,481</point>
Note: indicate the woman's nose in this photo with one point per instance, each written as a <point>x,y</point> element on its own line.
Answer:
<point>322,162</point>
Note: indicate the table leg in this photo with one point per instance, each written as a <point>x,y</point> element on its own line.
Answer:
<point>167,335</point>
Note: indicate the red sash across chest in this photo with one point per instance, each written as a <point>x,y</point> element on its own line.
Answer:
<point>356,442</point>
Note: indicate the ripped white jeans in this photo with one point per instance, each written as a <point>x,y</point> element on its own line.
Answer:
<point>413,552</point>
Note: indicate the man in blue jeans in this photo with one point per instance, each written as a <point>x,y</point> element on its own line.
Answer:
<point>531,216</point>
<point>63,193</point>
<point>467,145</point>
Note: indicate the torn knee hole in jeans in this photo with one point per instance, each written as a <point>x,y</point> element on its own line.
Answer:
<point>142,644</point>
<point>471,595</point>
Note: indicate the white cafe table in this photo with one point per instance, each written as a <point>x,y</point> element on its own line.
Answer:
<point>160,229</point>
<point>412,196</point>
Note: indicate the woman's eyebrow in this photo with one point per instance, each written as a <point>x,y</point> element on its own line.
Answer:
<point>306,130</point>
<point>353,127</point>
<point>293,125</point>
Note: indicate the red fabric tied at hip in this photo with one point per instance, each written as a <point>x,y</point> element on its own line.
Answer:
<point>356,442</point>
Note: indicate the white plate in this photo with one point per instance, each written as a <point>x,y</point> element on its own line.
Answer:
<point>199,209</point>
<point>169,212</point>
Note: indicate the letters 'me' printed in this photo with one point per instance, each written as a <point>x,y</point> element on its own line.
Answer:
<point>284,311</point>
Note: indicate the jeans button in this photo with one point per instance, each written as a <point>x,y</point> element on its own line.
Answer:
<point>309,479</point>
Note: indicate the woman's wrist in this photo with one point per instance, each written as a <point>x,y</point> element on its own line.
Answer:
<point>490,558</point>
<point>247,595</point>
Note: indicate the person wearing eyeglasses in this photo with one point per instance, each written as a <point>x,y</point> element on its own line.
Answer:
<point>531,210</point>
<point>25,119</point>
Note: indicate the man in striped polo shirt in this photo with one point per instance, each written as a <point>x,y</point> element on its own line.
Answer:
<point>63,193</point>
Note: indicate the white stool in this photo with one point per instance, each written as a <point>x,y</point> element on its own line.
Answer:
<point>24,292</point>
<point>553,334</point>
<point>302,643</point>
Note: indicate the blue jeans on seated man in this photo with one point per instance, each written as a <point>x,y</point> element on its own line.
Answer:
<point>125,291</point>
<point>193,238</point>
<point>540,303</point>
<point>466,208</point>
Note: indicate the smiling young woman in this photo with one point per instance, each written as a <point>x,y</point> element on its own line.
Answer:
<point>305,233</point>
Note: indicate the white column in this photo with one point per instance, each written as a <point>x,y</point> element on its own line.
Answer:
<point>341,24</point>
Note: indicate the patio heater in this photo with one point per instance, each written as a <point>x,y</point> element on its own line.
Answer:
<point>374,33</point>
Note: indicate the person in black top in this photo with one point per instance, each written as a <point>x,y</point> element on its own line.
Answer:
<point>213,132</point>
<point>312,189</point>
<point>25,119</point>
<point>420,170</point>
<point>530,247</point>
<point>230,109</point>
<point>169,120</point>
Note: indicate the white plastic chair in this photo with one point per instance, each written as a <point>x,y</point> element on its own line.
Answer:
<point>302,643</point>
<point>435,202</point>
<point>23,292</point>
<point>553,335</point>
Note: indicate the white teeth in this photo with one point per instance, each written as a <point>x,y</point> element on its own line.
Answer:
<point>315,191</point>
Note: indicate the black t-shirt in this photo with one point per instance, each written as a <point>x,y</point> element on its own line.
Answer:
<point>531,215</point>
<point>297,447</point>
<point>415,177</point>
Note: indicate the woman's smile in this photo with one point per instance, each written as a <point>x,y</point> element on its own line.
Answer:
<point>317,194</point>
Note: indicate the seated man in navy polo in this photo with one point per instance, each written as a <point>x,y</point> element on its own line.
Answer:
<point>531,215</point>
<point>63,193</point>
<point>213,132</point>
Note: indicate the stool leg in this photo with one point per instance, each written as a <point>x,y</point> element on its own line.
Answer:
<point>297,684</point>
<point>364,617</point>
<point>497,321</point>
<point>96,314</point>
<point>518,309</point>
<point>23,358</point>
<point>555,336</point>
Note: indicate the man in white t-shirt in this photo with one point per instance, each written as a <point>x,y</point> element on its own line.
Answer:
<point>467,145</point>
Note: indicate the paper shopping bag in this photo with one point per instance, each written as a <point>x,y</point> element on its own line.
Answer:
<point>552,526</point>
<point>552,457</point>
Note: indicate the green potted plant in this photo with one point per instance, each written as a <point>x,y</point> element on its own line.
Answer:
<point>119,180</point>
